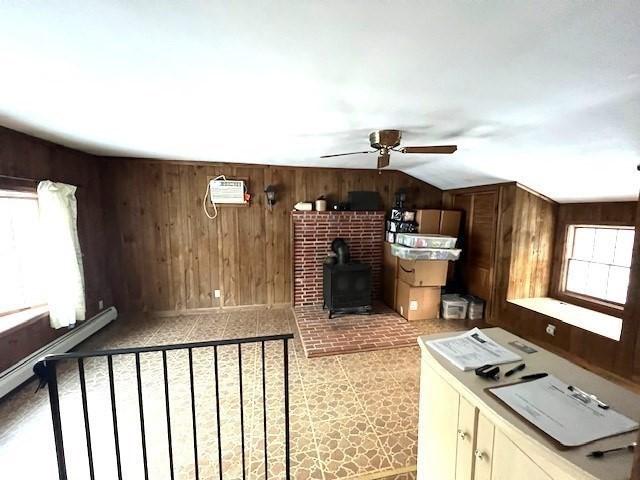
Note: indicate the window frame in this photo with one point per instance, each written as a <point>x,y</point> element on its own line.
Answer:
<point>581,299</point>
<point>29,190</point>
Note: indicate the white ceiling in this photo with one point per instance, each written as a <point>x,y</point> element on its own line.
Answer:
<point>546,93</point>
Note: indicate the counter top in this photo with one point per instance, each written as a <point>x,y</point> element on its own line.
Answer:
<point>572,461</point>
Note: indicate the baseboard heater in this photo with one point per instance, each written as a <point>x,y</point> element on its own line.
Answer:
<point>22,371</point>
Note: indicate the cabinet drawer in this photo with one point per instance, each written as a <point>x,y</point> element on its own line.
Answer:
<point>483,453</point>
<point>467,420</point>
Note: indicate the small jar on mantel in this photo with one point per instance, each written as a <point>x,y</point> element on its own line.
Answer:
<point>321,204</point>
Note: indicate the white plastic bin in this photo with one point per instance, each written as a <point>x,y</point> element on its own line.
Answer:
<point>475,311</point>
<point>415,240</point>
<point>408,253</point>
<point>454,307</point>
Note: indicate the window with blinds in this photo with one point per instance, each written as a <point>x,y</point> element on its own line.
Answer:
<point>20,254</point>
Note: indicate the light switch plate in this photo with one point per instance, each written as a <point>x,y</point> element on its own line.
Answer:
<point>100,304</point>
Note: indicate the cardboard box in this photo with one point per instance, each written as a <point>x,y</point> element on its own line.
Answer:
<point>428,221</point>
<point>443,222</point>
<point>388,260</point>
<point>417,303</point>
<point>450,223</point>
<point>389,276</point>
<point>423,273</point>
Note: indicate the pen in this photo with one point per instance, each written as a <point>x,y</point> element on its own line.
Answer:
<point>515,369</point>
<point>534,376</point>
<point>602,453</point>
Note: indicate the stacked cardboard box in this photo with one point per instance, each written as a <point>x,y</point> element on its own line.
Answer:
<point>412,287</point>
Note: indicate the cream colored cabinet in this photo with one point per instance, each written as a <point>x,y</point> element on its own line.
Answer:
<point>438,419</point>
<point>456,442</point>
<point>467,421</point>
<point>483,452</point>
<point>466,434</point>
<point>510,462</point>
<point>449,421</point>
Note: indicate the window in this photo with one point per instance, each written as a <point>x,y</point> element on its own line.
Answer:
<point>598,262</point>
<point>20,280</point>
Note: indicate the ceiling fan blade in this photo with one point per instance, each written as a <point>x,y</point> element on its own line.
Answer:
<point>343,154</point>
<point>431,149</point>
<point>383,159</point>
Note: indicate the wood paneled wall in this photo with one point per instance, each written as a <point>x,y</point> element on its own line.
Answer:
<point>628,357</point>
<point>528,248</point>
<point>165,254</point>
<point>25,156</point>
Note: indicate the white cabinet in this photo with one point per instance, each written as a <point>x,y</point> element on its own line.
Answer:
<point>510,462</point>
<point>466,434</point>
<point>457,442</point>
<point>483,453</point>
<point>467,420</point>
<point>438,419</point>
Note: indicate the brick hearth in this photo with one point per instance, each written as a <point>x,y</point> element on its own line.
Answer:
<point>313,233</point>
<point>352,333</point>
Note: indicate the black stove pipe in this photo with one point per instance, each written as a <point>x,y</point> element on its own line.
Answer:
<point>341,249</point>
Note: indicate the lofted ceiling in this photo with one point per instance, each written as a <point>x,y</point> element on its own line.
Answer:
<point>546,93</point>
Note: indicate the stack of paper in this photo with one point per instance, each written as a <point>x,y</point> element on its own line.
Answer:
<point>472,349</point>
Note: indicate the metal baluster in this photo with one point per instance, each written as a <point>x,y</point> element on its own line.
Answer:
<point>143,436</point>
<point>193,416</point>
<point>244,467</point>
<point>168,411</point>
<point>52,380</point>
<point>114,416</point>
<point>286,411</point>
<point>215,368</point>
<point>264,416</point>
<point>85,412</point>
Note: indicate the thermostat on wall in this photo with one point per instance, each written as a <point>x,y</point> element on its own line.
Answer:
<point>227,191</point>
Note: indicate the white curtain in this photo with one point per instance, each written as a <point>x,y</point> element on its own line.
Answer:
<point>62,270</point>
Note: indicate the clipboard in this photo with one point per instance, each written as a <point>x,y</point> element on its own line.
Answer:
<point>609,422</point>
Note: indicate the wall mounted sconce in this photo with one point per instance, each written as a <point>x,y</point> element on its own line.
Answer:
<point>401,197</point>
<point>270,192</point>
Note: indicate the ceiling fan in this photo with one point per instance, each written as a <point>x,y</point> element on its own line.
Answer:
<point>386,141</point>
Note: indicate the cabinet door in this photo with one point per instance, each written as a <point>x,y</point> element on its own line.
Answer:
<point>483,452</point>
<point>467,420</point>
<point>437,427</point>
<point>510,462</point>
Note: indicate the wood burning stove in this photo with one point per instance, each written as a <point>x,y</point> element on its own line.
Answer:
<point>346,284</point>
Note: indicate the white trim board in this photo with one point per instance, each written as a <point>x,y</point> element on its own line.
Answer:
<point>22,371</point>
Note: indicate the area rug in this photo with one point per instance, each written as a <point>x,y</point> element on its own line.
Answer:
<point>380,330</point>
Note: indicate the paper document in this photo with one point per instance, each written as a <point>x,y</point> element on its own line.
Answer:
<point>569,417</point>
<point>472,349</point>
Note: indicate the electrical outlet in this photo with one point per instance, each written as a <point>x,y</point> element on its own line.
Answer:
<point>216,293</point>
<point>551,330</point>
<point>100,304</point>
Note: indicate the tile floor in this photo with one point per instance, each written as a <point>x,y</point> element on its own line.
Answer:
<point>352,416</point>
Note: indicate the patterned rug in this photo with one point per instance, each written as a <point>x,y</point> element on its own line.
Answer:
<point>380,330</point>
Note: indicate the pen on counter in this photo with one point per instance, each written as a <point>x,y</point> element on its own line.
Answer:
<point>534,376</point>
<point>589,396</point>
<point>515,369</point>
<point>601,453</point>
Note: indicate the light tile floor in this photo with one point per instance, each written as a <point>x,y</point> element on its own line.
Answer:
<point>352,415</point>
